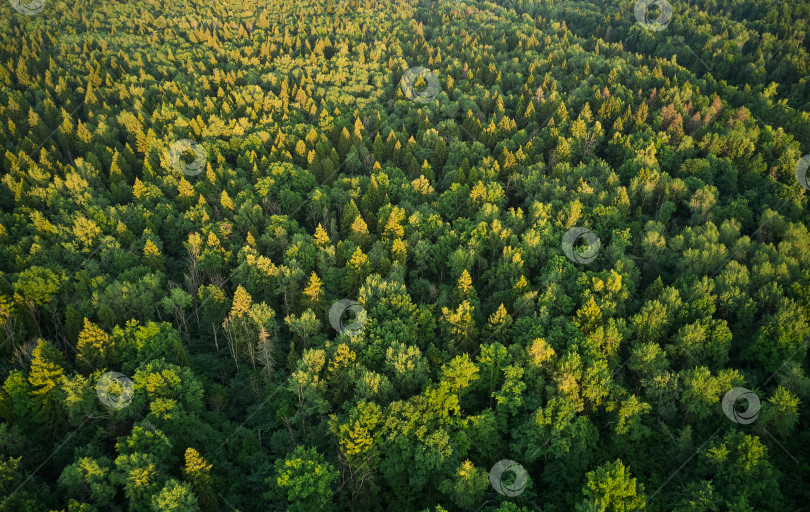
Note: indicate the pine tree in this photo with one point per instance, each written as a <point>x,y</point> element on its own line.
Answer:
<point>499,323</point>
<point>226,201</point>
<point>152,256</point>
<point>357,269</point>
<point>198,473</point>
<point>460,325</point>
<point>464,289</point>
<point>359,232</point>
<point>46,376</point>
<point>313,293</point>
<point>321,237</point>
<point>345,143</point>
<point>350,213</point>
<point>96,347</point>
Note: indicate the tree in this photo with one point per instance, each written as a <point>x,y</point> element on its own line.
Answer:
<point>359,437</point>
<point>176,304</point>
<point>492,360</point>
<point>45,377</point>
<point>780,411</point>
<point>313,293</point>
<point>782,336</point>
<point>610,488</point>
<point>306,176</point>
<point>357,269</point>
<point>740,471</point>
<point>251,331</point>
<point>303,479</point>
<point>304,327</point>
<point>308,386</point>
<point>702,391</point>
<point>460,325</point>
<point>509,397</point>
<point>407,368</point>
<point>96,347</point>
<point>468,486</point>
<point>175,497</point>
<point>198,472</point>
<point>89,478</point>
<point>630,414</point>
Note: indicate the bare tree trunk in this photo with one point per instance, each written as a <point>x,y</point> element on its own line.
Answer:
<point>265,349</point>
<point>229,335</point>
<point>216,339</point>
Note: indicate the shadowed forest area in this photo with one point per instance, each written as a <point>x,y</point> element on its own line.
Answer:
<point>406,255</point>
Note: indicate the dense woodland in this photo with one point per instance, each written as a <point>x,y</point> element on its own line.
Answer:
<point>324,171</point>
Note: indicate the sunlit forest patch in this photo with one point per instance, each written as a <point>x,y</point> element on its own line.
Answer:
<point>411,255</point>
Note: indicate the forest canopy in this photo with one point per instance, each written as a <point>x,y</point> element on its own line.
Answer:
<point>411,255</point>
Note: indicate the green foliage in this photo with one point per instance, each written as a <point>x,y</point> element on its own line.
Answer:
<point>303,479</point>
<point>175,497</point>
<point>88,478</point>
<point>610,488</point>
<point>208,281</point>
